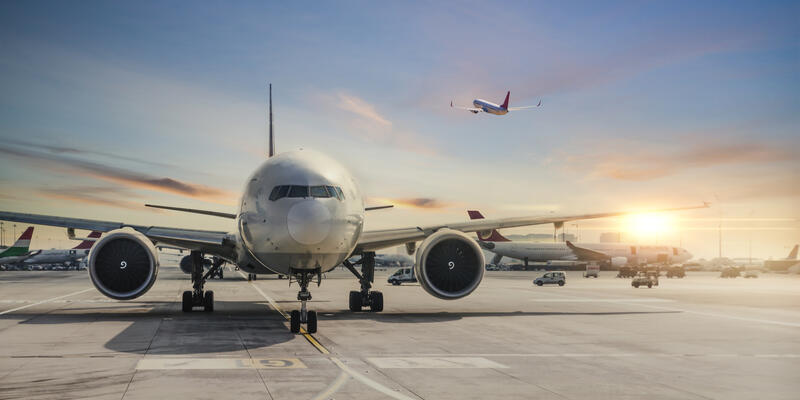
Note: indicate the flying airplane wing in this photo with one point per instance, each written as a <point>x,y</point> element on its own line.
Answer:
<point>587,254</point>
<point>379,239</point>
<point>212,242</point>
<point>470,109</point>
<point>525,108</point>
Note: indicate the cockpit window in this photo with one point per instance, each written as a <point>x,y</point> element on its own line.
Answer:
<point>333,192</point>
<point>279,192</point>
<point>339,191</point>
<point>298,191</point>
<point>319,191</point>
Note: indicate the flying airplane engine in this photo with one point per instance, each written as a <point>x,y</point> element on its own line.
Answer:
<point>123,264</point>
<point>619,261</point>
<point>450,265</point>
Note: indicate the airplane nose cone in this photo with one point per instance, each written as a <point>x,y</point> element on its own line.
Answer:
<point>309,222</point>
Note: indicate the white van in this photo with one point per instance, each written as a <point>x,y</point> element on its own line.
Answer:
<point>402,275</point>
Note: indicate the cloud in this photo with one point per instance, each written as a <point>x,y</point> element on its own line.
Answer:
<point>94,196</point>
<point>640,163</point>
<point>121,176</point>
<point>417,202</point>
<point>75,151</point>
<point>361,108</point>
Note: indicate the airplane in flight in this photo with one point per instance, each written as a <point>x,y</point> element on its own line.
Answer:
<point>19,250</point>
<point>617,254</point>
<point>301,214</point>
<point>65,256</point>
<point>480,105</point>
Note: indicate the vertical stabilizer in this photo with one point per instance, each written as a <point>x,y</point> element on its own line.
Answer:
<point>21,246</point>
<point>505,102</point>
<point>486,236</point>
<point>89,242</point>
<point>271,135</point>
<point>793,253</point>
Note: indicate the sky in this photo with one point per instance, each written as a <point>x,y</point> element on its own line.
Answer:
<point>106,106</point>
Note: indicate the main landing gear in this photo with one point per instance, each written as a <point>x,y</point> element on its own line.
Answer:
<point>303,316</point>
<point>366,297</point>
<point>198,297</point>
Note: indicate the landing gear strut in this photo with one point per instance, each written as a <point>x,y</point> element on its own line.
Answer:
<point>198,297</point>
<point>365,297</point>
<point>303,316</point>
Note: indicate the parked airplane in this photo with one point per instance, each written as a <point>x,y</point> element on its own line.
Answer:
<point>617,254</point>
<point>301,214</point>
<point>65,256</point>
<point>492,108</point>
<point>783,264</point>
<point>19,250</point>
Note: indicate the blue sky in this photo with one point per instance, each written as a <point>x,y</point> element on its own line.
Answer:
<point>645,104</point>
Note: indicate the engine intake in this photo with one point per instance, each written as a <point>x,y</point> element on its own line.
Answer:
<point>123,264</point>
<point>450,265</point>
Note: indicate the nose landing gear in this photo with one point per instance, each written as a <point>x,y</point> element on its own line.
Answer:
<point>366,297</point>
<point>199,297</point>
<point>304,316</point>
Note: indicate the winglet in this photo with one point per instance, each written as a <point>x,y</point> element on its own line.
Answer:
<point>505,103</point>
<point>451,103</point>
<point>540,104</point>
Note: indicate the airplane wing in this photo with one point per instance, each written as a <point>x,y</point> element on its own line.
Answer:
<point>217,243</point>
<point>470,109</point>
<point>379,239</point>
<point>587,254</point>
<point>525,108</point>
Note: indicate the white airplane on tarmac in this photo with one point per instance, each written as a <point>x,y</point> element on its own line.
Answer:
<point>65,256</point>
<point>616,254</point>
<point>301,214</point>
<point>480,105</point>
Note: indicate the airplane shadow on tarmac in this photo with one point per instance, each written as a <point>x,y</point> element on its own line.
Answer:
<point>159,327</point>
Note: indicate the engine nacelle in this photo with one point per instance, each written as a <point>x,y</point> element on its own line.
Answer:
<point>619,261</point>
<point>123,264</point>
<point>450,265</point>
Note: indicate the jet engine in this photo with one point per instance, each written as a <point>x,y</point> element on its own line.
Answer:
<point>123,264</point>
<point>450,265</point>
<point>619,261</point>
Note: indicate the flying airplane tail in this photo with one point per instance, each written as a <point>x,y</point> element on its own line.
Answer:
<point>505,103</point>
<point>87,244</point>
<point>793,253</point>
<point>486,236</point>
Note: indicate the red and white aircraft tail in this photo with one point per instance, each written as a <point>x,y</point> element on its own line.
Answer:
<point>487,236</point>
<point>88,242</point>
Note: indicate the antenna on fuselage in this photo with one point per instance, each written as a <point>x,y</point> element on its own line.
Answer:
<point>271,136</point>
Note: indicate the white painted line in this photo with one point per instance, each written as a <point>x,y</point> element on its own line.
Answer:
<point>333,387</point>
<point>369,382</point>
<point>726,316</point>
<point>433,362</point>
<point>587,300</point>
<point>45,301</point>
<point>598,355</point>
<point>219,363</point>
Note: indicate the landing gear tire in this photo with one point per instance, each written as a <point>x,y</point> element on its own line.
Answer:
<point>187,301</point>
<point>208,301</point>
<point>311,324</point>
<point>376,301</point>
<point>355,301</point>
<point>294,321</point>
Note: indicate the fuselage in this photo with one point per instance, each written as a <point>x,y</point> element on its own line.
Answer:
<point>300,210</point>
<point>57,256</point>
<point>489,107</point>
<point>542,252</point>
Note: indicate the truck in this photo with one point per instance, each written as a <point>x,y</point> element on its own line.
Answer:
<point>402,275</point>
<point>676,272</point>
<point>645,279</point>
<point>592,270</point>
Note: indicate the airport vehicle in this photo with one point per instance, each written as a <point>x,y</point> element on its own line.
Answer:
<point>645,279</point>
<point>68,257</point>
<point>551,278</point>
<point>729,272</point>
<point>592,270</point>
<point>627,272</point>
<point>676,272</point>
<point>480,105</point>
<point>301,214</point>
<point>18,251</point>
<point>614,254</point>
<point>750,273</point>
<point>402,275</point>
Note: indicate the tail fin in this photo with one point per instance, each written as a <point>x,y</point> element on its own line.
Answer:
<point>505,103</point>
<point>87,244</point>
<point>487,236</point>
<point>793,253</point>
<point>20,247</point>
<point>271,150</point>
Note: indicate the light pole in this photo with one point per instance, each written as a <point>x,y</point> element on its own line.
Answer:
<point>15,232</point>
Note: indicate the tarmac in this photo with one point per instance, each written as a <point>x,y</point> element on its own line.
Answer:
<point>701,337</point>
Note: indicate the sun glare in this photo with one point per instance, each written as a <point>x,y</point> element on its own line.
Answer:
<point>644,225</point>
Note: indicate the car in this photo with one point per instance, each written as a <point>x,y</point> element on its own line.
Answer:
<point>402,275</point>
<point>729,272</point>
<point>645,279</point>
<point>751,273</point>
<point>676,272</point>
<point>554,277</point>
